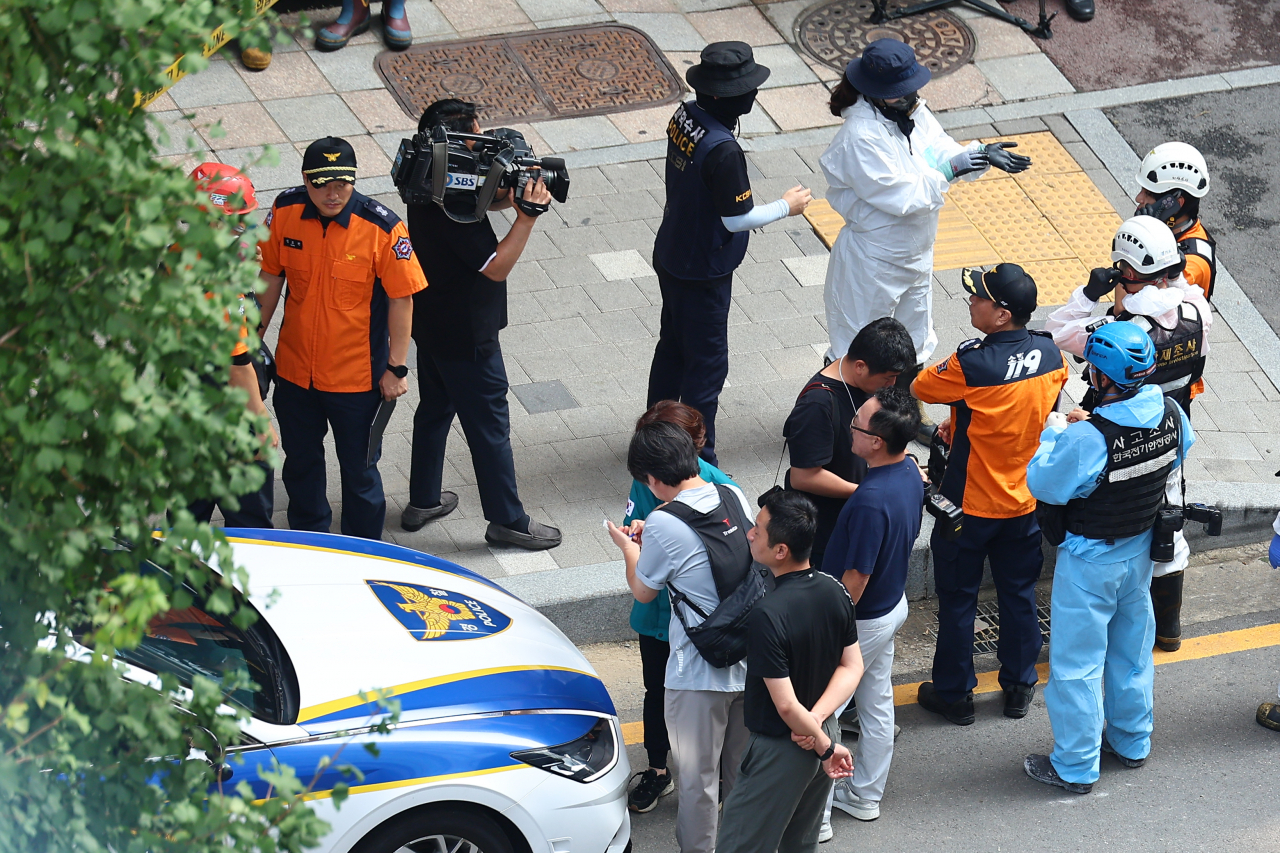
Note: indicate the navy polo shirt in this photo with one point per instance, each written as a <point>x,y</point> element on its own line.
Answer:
<point>875,532</point>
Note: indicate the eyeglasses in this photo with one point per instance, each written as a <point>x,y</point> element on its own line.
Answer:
<point>853,429</point>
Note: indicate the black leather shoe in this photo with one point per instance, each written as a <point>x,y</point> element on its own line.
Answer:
<point>539,538</point>
<point>1040,768</point>
<point>1269,716</point>
<point>959,712</point>
<point>413,518</point>
<point>1017,700</point>
<point>1111,750</point>
<point>1081,10</point>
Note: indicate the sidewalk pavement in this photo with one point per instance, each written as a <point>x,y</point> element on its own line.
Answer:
<point>584,302</point>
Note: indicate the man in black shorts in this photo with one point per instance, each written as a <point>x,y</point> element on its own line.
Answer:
<point>803,662</point>
<point>823,464</point>
<point>460,369</point>
<point>703,236</point>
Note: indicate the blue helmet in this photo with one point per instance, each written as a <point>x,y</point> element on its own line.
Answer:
<point>1122,352</point>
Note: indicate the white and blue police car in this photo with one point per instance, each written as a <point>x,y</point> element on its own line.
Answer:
<point>507,740</point>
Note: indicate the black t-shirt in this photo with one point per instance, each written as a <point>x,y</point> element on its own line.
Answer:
<point>724,171</point>
<point>798,631</point>
<point>461,310</point>
<point>817,432</point>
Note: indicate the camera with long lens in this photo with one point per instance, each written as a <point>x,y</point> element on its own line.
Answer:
<point>948,518</point>
<point>1171,519</point>
<point>440,168</point>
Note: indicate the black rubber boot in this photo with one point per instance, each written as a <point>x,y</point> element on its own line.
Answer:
<point>1166,597</point>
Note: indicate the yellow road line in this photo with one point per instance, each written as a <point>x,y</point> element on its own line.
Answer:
<point>1211,645</point>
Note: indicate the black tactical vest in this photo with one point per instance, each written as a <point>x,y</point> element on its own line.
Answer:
<point>1131,488</point>
<point>1179,352</point>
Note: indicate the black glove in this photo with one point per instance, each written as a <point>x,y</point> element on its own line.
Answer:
<point>1101,282</point>
<point>1007,161</point>
<point>1162,208</point>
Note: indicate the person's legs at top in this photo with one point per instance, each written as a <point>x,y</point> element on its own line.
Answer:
<point>915,310</point>
<point>705,343</point>
<point>1129,673</point>
<point>696,724</point>
<point>875,706</point>
<point>364,506</point>
<point>666,372</point>
<point>478,390</point>
<point>431,423</point>
<point>1016,561</point>
<point>302,430</point>
<point>801,834</point>
<point>735,741</point>
<point>656,781</point>
<point>856,290</point>
<point>1083,604</point>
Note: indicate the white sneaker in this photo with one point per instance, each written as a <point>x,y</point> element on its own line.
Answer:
<point>853,805</point>
<point>825,834</point>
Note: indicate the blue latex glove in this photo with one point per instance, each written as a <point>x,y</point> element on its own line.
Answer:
<point>1274,553</point>
<point>964,163</point>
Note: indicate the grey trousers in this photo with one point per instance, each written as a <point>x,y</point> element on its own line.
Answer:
<point>778,801</point>
<point>707,738</point>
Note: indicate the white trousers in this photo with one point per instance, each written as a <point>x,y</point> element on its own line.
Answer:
<point>707,736</point>
<point>874,697</point>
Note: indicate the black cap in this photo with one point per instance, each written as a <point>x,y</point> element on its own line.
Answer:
<point>329,159</point>
<point>1008,285</point>
<point>728,68</point>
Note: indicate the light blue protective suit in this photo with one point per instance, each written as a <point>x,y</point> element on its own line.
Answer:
<point>1103,624</point>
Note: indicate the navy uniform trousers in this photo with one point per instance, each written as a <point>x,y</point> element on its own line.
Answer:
<point>305,416</point>
<point>691,360</point>
<point>1013,547</point>
<point>476,392</point>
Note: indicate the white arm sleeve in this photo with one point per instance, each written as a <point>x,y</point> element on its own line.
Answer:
<point>759,216</point>
<point>1069,324</point>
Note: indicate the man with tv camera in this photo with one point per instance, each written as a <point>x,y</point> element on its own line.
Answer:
<point>1101,485</point>
<point>450,176</point>
<point>1000,389</point>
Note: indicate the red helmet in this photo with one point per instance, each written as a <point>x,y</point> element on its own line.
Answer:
<point>222,182</point>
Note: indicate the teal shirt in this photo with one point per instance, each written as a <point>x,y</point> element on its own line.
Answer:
<point>654,619</point>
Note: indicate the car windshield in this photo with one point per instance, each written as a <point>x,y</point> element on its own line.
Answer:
<point>192,641</point>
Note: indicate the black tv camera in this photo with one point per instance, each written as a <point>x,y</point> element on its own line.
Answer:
<point>439,167</point>
<point>948,518</point>
<point>1171,519</point>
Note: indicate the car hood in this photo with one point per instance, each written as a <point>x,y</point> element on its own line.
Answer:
<point>358,616</point>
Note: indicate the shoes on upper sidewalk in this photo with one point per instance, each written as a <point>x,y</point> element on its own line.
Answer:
<point>851,804</point>
<point>1040,768</point>
<point>539,538</point>
<point>1081,10</point>
<point>959,712</point>
<point>413,518</point>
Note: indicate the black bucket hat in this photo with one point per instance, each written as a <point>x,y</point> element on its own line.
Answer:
<point>886,70</point>
<point>728,68</point>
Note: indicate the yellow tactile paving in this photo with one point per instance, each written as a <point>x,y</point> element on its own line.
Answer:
<point>959,243</point>
<point>1051,219</point>
<point>1068,192</point>
<point>1047,155</point>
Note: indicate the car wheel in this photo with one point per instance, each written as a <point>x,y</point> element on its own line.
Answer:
<point>455,831</point>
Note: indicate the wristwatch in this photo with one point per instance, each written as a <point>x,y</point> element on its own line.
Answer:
<point>399,371</point>
<point>831,750</point>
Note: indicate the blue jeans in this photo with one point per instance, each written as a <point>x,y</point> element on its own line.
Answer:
<point>1103,630</point>
<point>305,417</point>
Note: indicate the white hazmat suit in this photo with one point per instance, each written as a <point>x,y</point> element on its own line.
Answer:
<point>889,192</point>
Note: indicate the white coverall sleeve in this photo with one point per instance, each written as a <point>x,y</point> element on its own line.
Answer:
<point>1069,324</point>
<point>939,147</point>
<point>1193,294</point>
<point>869,166</point>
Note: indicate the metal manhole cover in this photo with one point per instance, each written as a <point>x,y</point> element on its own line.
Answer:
<point>835,33</point>
<point>986,626</point>
<point>561,73</point>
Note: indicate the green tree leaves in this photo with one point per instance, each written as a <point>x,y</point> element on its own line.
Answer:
<point>119,307</point>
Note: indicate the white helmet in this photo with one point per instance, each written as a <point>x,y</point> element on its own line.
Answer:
<point>1174,166</point>
<point>1146,244</point>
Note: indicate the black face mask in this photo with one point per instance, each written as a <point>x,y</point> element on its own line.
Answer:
<point>728,110</point>
<point>900,112</point>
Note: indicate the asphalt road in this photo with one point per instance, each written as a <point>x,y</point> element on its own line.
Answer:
<point>1239,134</point>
